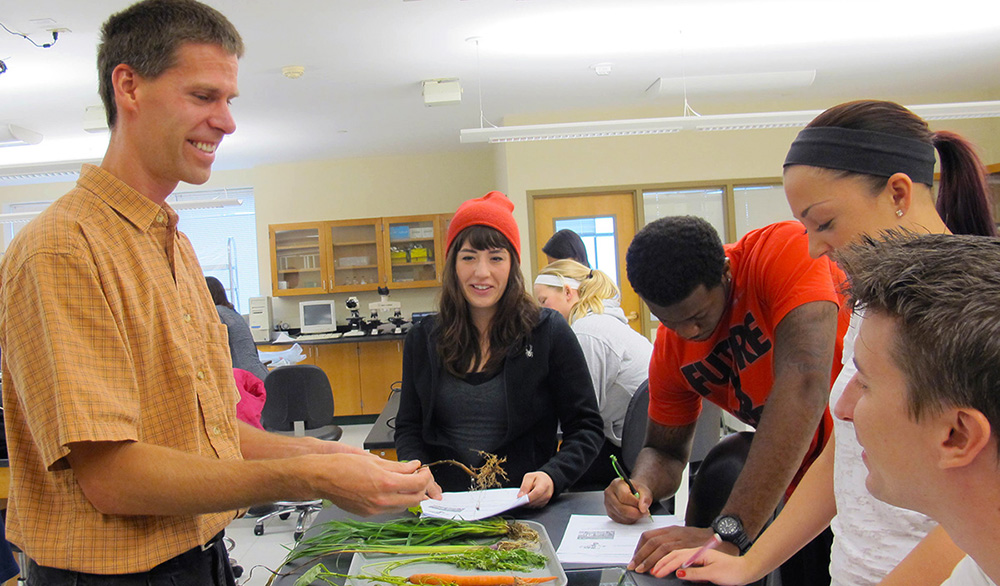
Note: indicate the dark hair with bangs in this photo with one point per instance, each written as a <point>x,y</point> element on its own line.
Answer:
<point>516,315</point>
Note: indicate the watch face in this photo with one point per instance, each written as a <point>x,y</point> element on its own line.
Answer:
<point>727,526</point>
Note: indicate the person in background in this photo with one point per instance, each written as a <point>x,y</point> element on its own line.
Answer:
<point>241,345</point>
<point>566,244</point>
<point>750,325</point>
<point>858,170</point>
<point>617,356</point>
<point>127,460</point>
<point>492,372</point>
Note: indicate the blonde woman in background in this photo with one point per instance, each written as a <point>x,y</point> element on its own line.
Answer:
<point>617,356</point>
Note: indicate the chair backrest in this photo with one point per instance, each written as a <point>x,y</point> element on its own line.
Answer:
<point>634,426</point>
<point>300,392</point>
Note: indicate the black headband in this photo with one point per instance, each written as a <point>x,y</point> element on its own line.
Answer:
<point>863,151</point>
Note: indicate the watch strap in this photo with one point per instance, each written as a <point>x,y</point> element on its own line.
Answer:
<point>738,538</point>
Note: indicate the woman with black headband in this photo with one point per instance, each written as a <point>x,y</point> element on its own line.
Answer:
<point>860,169</point>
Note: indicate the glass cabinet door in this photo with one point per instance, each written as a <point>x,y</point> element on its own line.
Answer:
<point>355,251</point>
<point>297,267</point>
<point>414,244</point>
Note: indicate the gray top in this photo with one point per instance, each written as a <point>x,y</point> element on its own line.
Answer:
<point>471,413</point>
<point>241,344</point>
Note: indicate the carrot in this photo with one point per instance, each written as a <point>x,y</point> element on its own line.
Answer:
<point>448,579</point>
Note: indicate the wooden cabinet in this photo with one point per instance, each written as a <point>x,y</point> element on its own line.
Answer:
<point>343,256</point>
<point>361,373</point>
<point>298,259</point>
<point>415,255</point>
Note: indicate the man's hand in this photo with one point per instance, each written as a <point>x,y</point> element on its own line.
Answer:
<point>712,566</point>
<point>623,506</point>
<point>327,447</point>
<point>366,484</point>
<point>539,488</point>
<point>657,543</point>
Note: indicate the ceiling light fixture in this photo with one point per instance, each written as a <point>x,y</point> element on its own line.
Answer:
<point>18,217</point>
<point>293,71</point>
<point>748,121</point>
<point>14,135</point>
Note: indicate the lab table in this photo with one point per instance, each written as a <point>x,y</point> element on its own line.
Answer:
<point>555,516</point>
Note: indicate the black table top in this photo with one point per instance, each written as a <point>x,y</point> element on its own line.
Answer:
<point>555,516</point>
<point>381,436</point>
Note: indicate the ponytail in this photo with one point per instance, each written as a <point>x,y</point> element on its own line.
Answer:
<point>594,287</point>
<point>963,200</point>
<point>593,291</point>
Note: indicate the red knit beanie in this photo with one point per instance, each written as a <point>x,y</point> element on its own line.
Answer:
<point>493,210</point>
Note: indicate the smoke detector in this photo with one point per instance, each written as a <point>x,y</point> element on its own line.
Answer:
<point>293,71</point>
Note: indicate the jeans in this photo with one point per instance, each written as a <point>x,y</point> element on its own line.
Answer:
<point>195,567</point>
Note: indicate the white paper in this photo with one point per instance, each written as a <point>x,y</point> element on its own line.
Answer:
<point>596,539</point>
<point>473,505</point>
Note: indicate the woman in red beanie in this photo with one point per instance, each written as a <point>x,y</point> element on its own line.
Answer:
<point>494,373</point>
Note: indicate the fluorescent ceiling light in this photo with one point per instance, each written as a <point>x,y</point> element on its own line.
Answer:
<point>14,135</point>
<point>748,121</point>
<point>17,217</point>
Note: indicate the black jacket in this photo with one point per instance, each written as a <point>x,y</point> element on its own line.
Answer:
<point>547,384</point>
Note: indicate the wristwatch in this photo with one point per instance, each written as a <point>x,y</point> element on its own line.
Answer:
<point>730,528</point>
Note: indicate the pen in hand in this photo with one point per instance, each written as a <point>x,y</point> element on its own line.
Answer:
<point>712,543</point>
<point>621,474</point>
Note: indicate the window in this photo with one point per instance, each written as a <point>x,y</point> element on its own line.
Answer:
<point>598,235</point>
<point>702,202</point>
<point>224,238</point>
<point>757,206</point>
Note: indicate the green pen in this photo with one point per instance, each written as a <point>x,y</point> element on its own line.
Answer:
<point>621,474</point>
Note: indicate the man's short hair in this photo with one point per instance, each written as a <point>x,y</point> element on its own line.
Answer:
<point>943,292</point>
<point>670,257</point>
<point>146,37</point>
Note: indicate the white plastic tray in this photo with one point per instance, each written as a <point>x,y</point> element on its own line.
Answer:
<point>369,564</point>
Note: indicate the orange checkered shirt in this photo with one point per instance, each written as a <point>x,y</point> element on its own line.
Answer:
<point>108,334</point>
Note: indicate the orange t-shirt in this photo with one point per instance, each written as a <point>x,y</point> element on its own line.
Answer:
<point>772,274</point>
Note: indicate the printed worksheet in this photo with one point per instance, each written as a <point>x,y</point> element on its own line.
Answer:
<point>596,539</point>
<point>473,505</point>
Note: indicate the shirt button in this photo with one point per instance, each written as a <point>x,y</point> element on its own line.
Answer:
<point>187,317</point>
<point>160,218</point>
<point>201,375</point>
<point>216,430</point>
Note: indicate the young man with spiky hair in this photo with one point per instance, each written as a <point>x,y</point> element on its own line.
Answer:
<point>925,401</point>
<point>127,459</point>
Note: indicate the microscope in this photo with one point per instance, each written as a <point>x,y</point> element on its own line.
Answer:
<point>355,321</point>
<point>385,305</point>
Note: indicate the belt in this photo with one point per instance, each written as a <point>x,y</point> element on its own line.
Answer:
<point>211,542</point>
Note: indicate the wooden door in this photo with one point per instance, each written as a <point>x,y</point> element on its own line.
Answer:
<point>620,206</point>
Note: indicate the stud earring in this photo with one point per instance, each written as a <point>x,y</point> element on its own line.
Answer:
<point>899,213</point>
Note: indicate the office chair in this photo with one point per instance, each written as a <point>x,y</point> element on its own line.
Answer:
<point>634,426</point>
<point>299,402</point>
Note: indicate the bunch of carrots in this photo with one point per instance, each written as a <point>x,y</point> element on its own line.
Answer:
<point>320,572</point>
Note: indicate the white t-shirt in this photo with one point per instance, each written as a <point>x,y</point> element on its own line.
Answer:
<point>618,360</point>
<point>870,537</point>
<point>968,573</point>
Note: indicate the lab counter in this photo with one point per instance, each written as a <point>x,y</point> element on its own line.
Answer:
<point>361,369</point>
